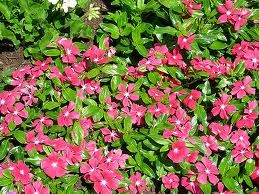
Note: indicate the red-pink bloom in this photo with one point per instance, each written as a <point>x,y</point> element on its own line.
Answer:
<point>222,107</point>
<point>184,42</point>
<point>109,136</point>
<point>55,73</point>
<point>6,99</point>
<point>90,87</point>
<point>255,175</point>
<point>156,94</point>
<point>96,55</point>
<point>170,181</point>
<point>190,6</point>
<point>67,115</point>
<point>251,107</point>
<point>239,18</point>
<point>58,144</point>
<point>138,185</point>
<point>35,142</point>
<point>240,138</point>
<point>117,158</point>
<point>15,113</point>
<point>28,96</point>
<point>70,52</point>
<point>241,154</point>
<point>112,108</point>
<point>43,65</point>
<point>191,185</point>
<point>178,152</point>
<point>21,173</point>
<point>72,76</point>
<point>247,121</point>
<point>222,131</point>
<point>105,181</point>
<point>126,94</point>
<point>242,87</point>
<point>175,58</point>
<point>36,188</point>
<point>40,122</point>
<point>137,113</point>
<point>207,169</point>
<point>73,154</point>
<point>158,109</point>
<point>190,100</point>
<point>226,11</point>
<point>210,144</point>
<point>192,157</point>
<point>54,165</point>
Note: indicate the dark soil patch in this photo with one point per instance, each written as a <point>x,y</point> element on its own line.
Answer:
<point>94,23</point>
<point>11,58</point>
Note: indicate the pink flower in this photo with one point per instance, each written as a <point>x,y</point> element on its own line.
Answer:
<point>184,42</point>
<point>73,154</point>
<point>54,166</point>
<point>190,6</point>
<point>15,113</point>
<point>117,158</point>
<point>247,121</point>
<point>58,144</point>
<point>96,55</point>
<point>239,18</point>
<point>241,154</point>
<point>137,113</point>
<point>6,99</point>
<point>241,88</point>
<point>70,52</point>
<point>28,96</point>
<point>109,136</point>
<point>255,175</point>
<point>72,76</point>
<point>170,181</point>
<point>222,107</point>
<point>240,138</point>
<point>158,109</point>
<point>55,73</point>
<point>175,58</point>
<point>156,94</point>
<point>126,94</point>
<point>35,142</point>
<point>43,65</point>
<point>192,157</point>
<point>226,11</point>
<point>138,185</point>
<point>39,123</point>
<point>21,173</point>
<point>67,115</point>
<point>191,185</point>
<point>150,63</point>
<point>207,169</point>
<point>105,181</point>
<point>90,87</point>
<point>112,108</point>
<point>221,189</point>
<point>178,152</point>
<point>222,131</point>
<point>36,188</point>
<point>189,101</point>
<point>210,144</point>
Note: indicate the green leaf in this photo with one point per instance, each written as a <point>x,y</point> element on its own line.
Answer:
<point>114,69</point>
<point>159,139</point>
<point>49,105</point>
<point>5,181</point>
<point>225,164</point>
<point>147,170</point>
<point>154,77</point>
<point>250,166</point>
<point>5,11</point>
<point>114,30</point>
<point>206,88</point>
<point>52,52</point>
<point>176,72</point>
<point>165,30</point>
<point>93,73</point>
<point>127,124</point>
<point>206,188</point>
<point>69,94</point>
<point>4,149</point>
<point>115,81</point>
<point>232,184</point>
<point>104,94</point>
<point>233,171</point>
<point>218,45</point>
<point>200,113</point>
<point>78,133</point>
<point>20,136</point>
<point>91,110</point>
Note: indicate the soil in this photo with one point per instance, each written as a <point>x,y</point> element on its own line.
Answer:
<point>94,23</point>
<point>11,57</point>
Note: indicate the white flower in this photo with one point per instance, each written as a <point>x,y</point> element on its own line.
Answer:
<point>53,1</point>
<point>67,4</point>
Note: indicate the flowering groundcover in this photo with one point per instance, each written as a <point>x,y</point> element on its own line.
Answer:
<point>89,121</point>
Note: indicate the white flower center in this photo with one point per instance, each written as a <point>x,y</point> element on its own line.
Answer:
<point>242,87</point>
<point>228,12</point>
<point>66,114</point>
<point>103,182</point>
<point>126,94</point>
<point>254,60</point>
<point>54,164</point>
<point>137,183</point>
<point>184,40</point>
<point>176,150</point>
<point>15,112</point>
<point>222,106</point>
<point>22,172</point>
<point>207,171</point>
<point>139,114</point>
